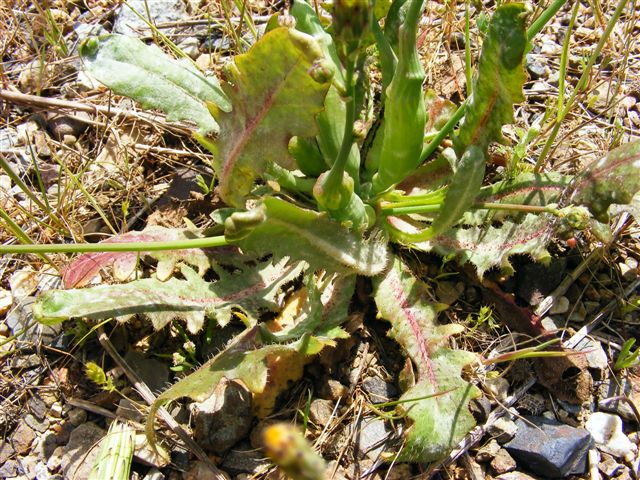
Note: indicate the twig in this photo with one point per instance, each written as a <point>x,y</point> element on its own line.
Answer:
<point>57,104</point>
<point>150,398</point>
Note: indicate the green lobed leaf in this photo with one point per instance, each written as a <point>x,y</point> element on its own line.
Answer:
<point>285,230</point>
<point>264,362</point>
<point>275,97</point>
<point>436,424</point>
<point>149,76</point>
<point>498,82</point>
<point>614,179</point>
<point>488,246</point>
<point>252,289</point>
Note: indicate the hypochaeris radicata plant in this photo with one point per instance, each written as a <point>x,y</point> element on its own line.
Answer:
<point>323,171</point>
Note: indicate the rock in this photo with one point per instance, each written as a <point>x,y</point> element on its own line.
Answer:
<point>552,324</point>
<point>320,411</point>
<point>154,474</point>
<point>515,476</point>
<point>190,46</point>
<point>379,391</point>
<point>244,459</point>
<point>37,407</point>
<point>63,124</point>
<point>35,424</point>
<point>503,462</point>
<point>608,465</point>
<point>22,438</point>
<point>534,281</point>
<point>128,409</point>
<point>55,459</point>
<point>9,469</point>
<point>23,283</point>
<point>6,300</point>
<point>502,430</point>
<point>6,451</point>
<point>560,307</point>
<point>550,47</point>
<point>549,448</point>
<point>487,452</point>
<point>21,323</point>
<point>160,11</point>
<point>152,372</point>
<point>457,41</point>
<point>205,62</point>
<point>480,407</point>
<point>578,314</point>
<point>535,68</point>
<point>81,452</point>
<point>607,431</point>
<point>200,471</point>
<point>371,436</point>
<point>333,390</point>
<point>77,416</point>
<point>595,355</point>
<point>627,386</point>
<point>224,419</point>
<point>497,388</point>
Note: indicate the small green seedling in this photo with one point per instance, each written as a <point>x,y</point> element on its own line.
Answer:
<point>627,358</point>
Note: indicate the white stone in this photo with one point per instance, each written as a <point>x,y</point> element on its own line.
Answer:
<point>606,430</point>
<point>23,283</point>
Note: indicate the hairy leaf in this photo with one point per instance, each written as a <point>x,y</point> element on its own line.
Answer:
<point>499,80</point>
<point>278,227</point>
<point>439,422</point>
<point>275,96</point>
<point>266,362</point>
<point>615,179</point>
<point>84,268</point>
<point>252,289</point>
<point>146,74</point>
<point>488,247</point>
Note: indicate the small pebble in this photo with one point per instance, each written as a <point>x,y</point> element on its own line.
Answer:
<point>561,306</point>
<point>503,462</point>
<point>502,430</point>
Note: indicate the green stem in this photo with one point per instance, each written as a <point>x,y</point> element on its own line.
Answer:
<point>207,242</point>
<point>532,31</point>
<point>405,208</point>
<point>580,86</point>
<point>467,50</point>
<point>334,178</point>
<point>564,57</point>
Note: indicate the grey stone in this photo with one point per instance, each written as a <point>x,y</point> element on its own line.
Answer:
<point>488,452</point>
<point>224,419</point>
<point>6,451</point>
<point>153,372</point>
<point>9,469</point>
<point>55,459</point>
<point>154,474</point>
<point>608,465</point>
<point>127,409</point>
<point>320,411</point>
<point>244,459</point>
<point>379,391</point>
<point>200,471</point>
<point>22,438</point>
<point>77,416</point>
<point>20,321</point>
<point>371,436</point>
<point>63,124</point>
<point>535,68</point>
<point>616,387</point>
<point>37,407</point>
<point>549,448</point>
<point>82,450</point>
<point>503,430</point>
<point>515,476</point>
<point>35,424</point>
<point>161,11</point>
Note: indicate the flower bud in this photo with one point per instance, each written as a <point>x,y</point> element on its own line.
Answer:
<point>321,71</point>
